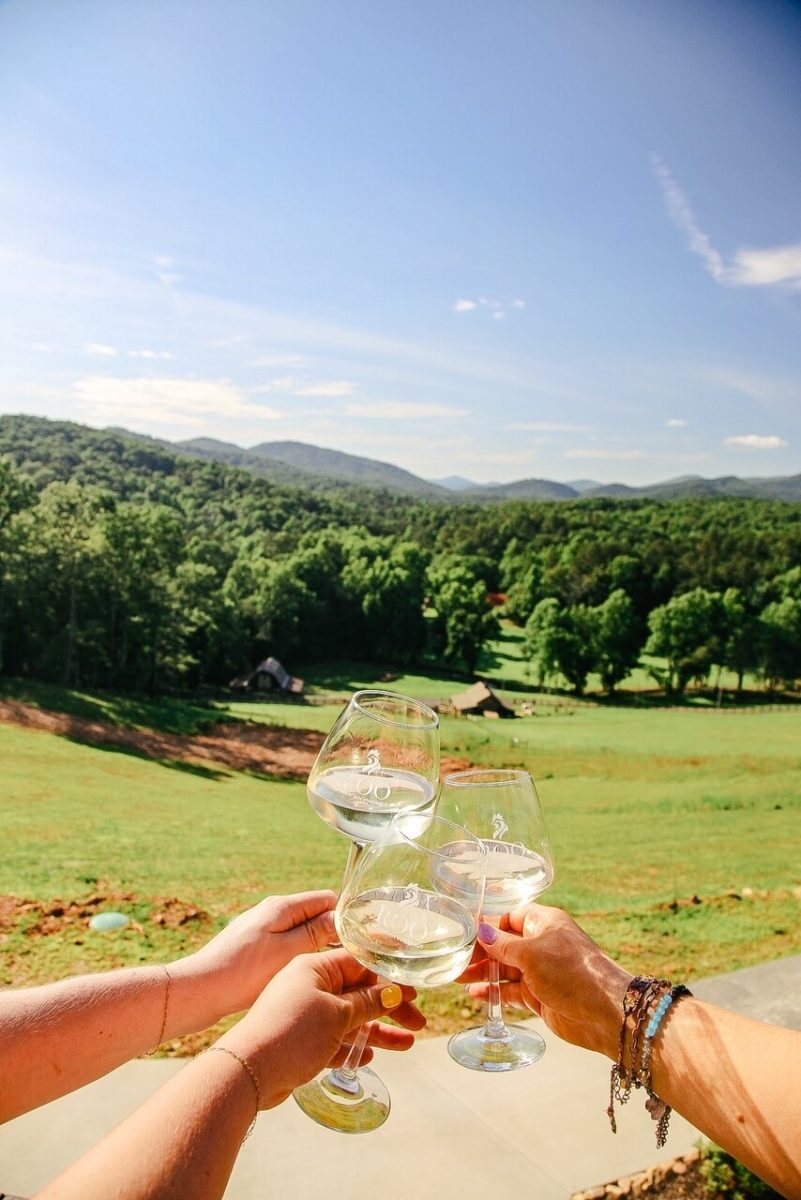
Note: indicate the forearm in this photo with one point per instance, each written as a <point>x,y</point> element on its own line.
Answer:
<point>735,1080</point>
<point>180,1145</point>
<point>58,1037</point>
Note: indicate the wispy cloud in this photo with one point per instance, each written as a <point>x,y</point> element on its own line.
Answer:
<point>99,350</point>
<point>676,423</point>
<point>289,386</point>
<point>756,441</point>
<point>150,354</point>
<point>498,309</point>
<point>164,402</point>
<point>779,265</point>
<point>399,410</point>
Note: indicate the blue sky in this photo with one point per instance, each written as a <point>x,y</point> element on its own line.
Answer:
<point>507,239</point>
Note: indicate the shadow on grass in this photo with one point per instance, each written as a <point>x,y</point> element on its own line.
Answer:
<point>167,714</point>
<point>214,774</point>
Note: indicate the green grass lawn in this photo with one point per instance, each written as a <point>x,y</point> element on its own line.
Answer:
<point>677,833</point>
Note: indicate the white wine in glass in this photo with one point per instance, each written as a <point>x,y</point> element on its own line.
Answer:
<point>502,808</point>
<point>410,909</point>
<point>380,758</point>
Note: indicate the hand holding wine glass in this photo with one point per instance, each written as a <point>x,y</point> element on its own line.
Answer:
<point>502,808</point>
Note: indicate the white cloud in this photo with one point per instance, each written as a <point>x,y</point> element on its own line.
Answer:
<point>399,410</point>
<point>676,423</point>
<point>164,402</point>
<point>756,441</point>
<point>682,215</point>
<point>750,268</point>
<point>762,268</point>
<point>497,309</point>
<point>150,354</point>
<point>99,350</point>
<point>290,386</point>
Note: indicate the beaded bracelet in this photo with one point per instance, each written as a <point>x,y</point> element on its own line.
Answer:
<point>647,1002</point>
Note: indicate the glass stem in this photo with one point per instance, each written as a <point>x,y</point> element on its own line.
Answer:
<point>353,857</point>
<point>496,1026</point>
<point>345,1076</point>
<point>351,1064</point>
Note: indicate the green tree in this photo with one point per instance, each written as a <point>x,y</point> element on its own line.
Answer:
<point>740,635</point>
<point>16,495</point>
<point>618,639</point>
<point>563,640</point>
<point>686,631</point>
<point>464,620</point>
<point>780,637</point>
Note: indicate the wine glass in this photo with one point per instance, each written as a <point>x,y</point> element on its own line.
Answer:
<point>503,809</point>
<point>410,909</point>
<point>380,758</point>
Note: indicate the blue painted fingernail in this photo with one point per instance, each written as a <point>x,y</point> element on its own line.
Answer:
<point>487,933</point>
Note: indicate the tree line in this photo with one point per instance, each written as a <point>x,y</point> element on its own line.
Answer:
<point>124,565</point>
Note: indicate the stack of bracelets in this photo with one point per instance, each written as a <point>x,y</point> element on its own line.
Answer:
<point>645,1007</point>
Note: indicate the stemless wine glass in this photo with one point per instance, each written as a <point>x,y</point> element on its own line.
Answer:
<point>503,809</point>
<point>380,758</point>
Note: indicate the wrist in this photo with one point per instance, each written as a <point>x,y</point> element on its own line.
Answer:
<point>610,1011</point>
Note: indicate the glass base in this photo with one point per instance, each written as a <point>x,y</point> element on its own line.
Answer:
<point>346,1103</point>
<point>480,1050</point>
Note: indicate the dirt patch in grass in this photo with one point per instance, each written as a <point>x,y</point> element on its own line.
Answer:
<point>240,746</point>
<point>45,918</point>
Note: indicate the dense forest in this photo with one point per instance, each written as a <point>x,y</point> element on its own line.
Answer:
<point>125,564</point>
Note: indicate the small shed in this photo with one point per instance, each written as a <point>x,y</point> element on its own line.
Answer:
<point>269,676</point>
<point>481,700</point>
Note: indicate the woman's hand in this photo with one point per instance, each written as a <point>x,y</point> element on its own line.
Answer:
<point>553,968</point>
<point>306,1016</point>
<point>236,964</point>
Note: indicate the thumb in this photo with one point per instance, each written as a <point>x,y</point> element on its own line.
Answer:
<point>508,948</point>
<point>322,931</point>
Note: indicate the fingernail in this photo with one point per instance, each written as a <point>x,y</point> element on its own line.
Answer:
<point>487,933</point>
<point>391,996</point>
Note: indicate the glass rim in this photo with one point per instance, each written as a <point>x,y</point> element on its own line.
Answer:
<point>487,777</point>
<point>400,817</point>
<point>378,693</point>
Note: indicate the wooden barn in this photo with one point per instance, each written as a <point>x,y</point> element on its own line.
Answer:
<point>481,701</point>
<point>269,676</point>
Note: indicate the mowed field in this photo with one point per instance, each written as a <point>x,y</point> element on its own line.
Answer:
<point>677,836</point>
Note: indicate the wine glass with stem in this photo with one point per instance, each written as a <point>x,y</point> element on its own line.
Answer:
<point>381,757</point>
<point>503,809</point>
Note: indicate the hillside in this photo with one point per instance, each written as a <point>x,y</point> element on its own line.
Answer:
<point>62,449</point>
<point>306,463</point>
<point>201,486</point>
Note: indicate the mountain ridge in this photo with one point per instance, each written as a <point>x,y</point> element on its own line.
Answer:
<point>305,466</point>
